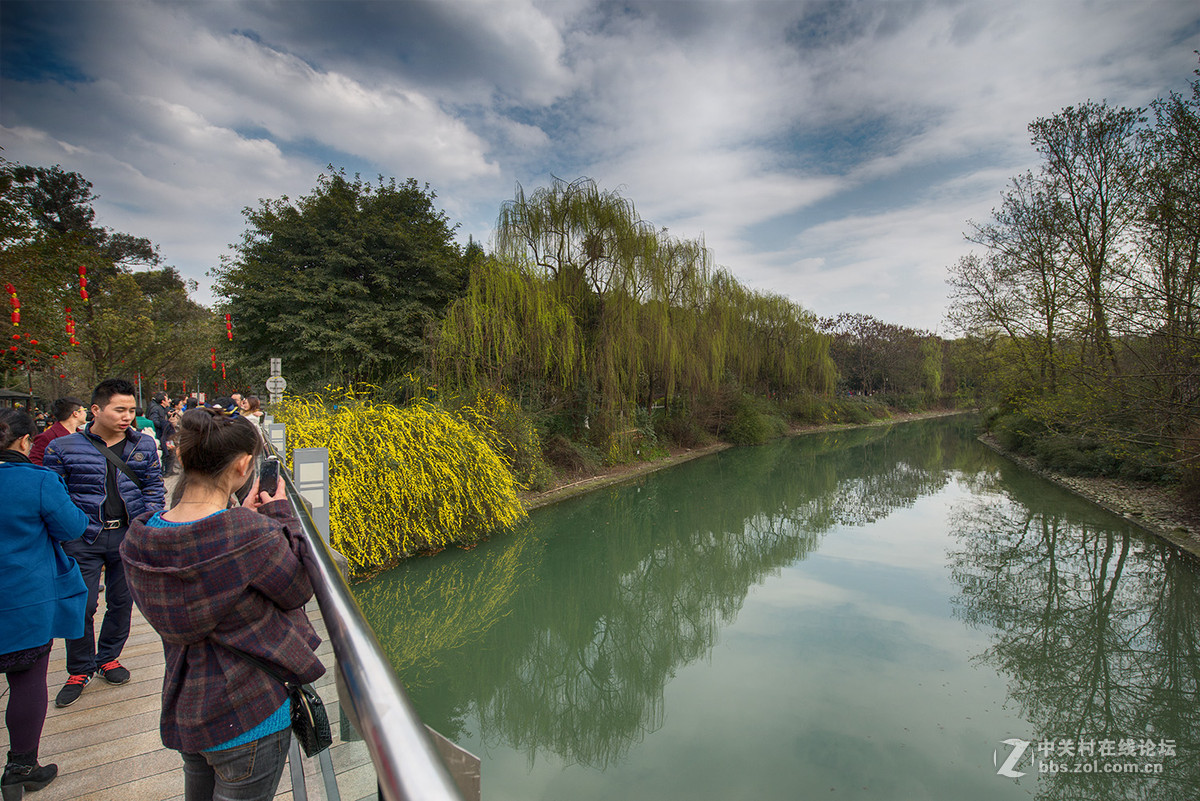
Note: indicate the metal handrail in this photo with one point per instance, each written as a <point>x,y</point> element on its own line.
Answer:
<point>407,764</point>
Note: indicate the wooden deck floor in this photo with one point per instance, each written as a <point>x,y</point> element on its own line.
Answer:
<point>107,745</point>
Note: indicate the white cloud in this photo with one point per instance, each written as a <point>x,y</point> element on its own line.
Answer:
<point>829,151</point>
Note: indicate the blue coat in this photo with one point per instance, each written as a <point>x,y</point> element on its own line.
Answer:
<point>42,594</point>
<point>84,468</point>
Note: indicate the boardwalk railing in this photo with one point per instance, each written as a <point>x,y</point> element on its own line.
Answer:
<point>407,761</point>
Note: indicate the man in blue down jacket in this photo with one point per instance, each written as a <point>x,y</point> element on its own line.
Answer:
<point>110,497</point>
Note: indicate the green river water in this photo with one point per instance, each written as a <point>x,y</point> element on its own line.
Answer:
<point>868,614</point>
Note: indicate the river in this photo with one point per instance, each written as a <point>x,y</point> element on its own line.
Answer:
<point>882,613</point>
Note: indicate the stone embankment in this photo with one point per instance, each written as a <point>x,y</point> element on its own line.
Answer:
<point>1154,508</point>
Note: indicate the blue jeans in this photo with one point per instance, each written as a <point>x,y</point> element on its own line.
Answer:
<point>249,772</point>
<point>102,556</point>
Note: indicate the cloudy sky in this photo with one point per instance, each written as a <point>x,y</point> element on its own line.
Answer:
<point>830,151</point>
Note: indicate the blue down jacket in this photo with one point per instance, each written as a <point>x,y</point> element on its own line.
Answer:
<point>83,469</point>
<point>42,594</point>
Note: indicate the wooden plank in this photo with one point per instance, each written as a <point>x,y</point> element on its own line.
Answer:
<point>107,744</point>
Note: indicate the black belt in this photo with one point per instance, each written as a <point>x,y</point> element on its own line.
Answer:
<point>107,524</point>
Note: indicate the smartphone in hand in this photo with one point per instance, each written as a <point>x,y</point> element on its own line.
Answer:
<point>268,477</point>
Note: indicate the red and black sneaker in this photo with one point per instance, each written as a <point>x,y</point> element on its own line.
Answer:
<point>71,691</point>
<point>113,672</point>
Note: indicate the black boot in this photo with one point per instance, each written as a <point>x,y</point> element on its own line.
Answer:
<point>24,773</point>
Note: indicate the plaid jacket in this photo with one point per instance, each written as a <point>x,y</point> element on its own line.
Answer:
<point>236,578</point>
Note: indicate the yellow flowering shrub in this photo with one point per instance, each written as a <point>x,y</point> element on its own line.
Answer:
<point>401,479</point>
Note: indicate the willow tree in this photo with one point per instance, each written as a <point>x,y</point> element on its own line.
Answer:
<point>511,329</point>
<point>605,312</point>
<point>600,259</point>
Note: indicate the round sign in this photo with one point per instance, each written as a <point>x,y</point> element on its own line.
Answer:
<point>276,384</point>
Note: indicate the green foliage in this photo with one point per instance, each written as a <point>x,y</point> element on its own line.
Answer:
<point>677,425</point>
<point>905,403</point>
<point>589,312</point>
<point>1081,316</point>
<point>511,433</point>
<point>1019,432</point>
<point>874,356</point>
<point>132,323</point>
<point>755,421</point>
<point>855,411</point>
<point>806,408</point>
<point>344,282</point>
<point>1090,457</point>
<point>571,459</point>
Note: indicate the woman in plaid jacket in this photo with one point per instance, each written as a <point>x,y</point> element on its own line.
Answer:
<point>207,575</point>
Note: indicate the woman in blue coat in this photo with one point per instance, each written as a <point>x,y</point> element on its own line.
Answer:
<point>42,594</point>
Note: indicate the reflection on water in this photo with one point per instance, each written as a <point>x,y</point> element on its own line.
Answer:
<point>575,642</point>
<point>1097,629</point>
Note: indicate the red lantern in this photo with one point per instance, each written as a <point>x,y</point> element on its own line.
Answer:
<point>83,293</point>
<point>228,328</point>
<point>15,303</point>
<point>222,371</point>
<point>214,358</point>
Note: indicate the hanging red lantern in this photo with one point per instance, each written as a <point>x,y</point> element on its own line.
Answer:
<point>222,371</point>
<point>14,302</point>
<point>214,358</point>
<point>228,328</point>
<point>83,293</point>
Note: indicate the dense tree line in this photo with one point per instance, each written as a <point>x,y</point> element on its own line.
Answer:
<point>132,317</point>
<point>1080,311</point>
<point>906,365</point>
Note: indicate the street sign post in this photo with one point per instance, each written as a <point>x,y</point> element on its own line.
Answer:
<point>276,384</point>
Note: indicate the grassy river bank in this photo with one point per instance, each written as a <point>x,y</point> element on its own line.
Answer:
<point>1158,509</point>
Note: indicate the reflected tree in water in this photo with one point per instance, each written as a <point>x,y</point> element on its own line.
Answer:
<point>586,615</point>
<point>1096,628</point>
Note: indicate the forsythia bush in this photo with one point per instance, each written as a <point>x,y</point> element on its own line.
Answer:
<point>401,480</point>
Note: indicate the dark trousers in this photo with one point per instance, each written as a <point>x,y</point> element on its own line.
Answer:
<point>249,772</point>
<point>84,655</point>
<point>27,706</point>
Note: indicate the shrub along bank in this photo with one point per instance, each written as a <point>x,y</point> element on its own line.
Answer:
<point>419,477</point>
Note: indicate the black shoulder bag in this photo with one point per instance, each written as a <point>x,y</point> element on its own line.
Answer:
<point>120,464</point>
<point>310,722</point>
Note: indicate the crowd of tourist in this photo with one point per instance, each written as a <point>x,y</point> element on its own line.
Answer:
<point>86,513</point>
